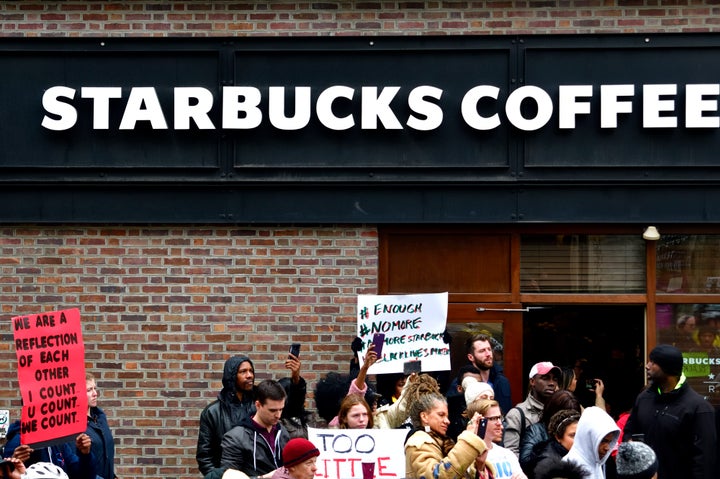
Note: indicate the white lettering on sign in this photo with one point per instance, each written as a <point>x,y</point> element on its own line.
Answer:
<point>340,108</point>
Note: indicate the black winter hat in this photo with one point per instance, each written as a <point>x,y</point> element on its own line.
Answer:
<point>635,460</point>
<point>669,358</point>
<point>559,469</point>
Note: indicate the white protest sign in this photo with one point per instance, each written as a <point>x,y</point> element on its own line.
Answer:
<point>413,325</point>
<point>342,452</point>
<point>4,422</point>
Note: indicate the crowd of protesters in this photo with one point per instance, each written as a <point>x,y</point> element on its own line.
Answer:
<point>464,431</point>
<point>467,429</point>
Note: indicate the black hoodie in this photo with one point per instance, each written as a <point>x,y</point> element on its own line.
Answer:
<point>222,415</point>
<point>228,411</point>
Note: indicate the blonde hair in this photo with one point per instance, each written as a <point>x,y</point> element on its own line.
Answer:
<point>480,406</point>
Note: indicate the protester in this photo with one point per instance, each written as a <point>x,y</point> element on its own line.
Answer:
<point>596,436</point>
<point>12,468</point>
<point>299,460</point>
<point>504,462</point>
<point>358,389</point>
<point>44,470</point>
<point>355,413</point>
<point>675,421</point>
<point>295,418</point>
<point>75,458</point>
<point>456,399</point>
<point>544,378</point>
<point>476,390</point>
<point>539,432</point>
<point>396,415</point>
<point>480,353</point>
<point>255,446</point>
<point>429,453</point>
<point>390,387</point>
<point>636,460</point>
<point>568,379</point>
<point>561,429</point>
<point>560,469</point>
<point>235,402</point>
<point>103,445</point>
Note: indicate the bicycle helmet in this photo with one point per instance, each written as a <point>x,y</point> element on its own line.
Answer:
<point>45,470</point>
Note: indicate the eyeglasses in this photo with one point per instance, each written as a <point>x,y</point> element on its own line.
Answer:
<point>494,419</point>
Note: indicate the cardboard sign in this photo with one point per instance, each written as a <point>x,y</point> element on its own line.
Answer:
<point>413,325</point>
<point>51,372</point>
<point>343,452</point>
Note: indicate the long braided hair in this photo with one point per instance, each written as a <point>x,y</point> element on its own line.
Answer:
<point>423,394</point>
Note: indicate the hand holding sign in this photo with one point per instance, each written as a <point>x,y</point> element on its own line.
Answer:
<point>407,327</point>
<point>83,443</point>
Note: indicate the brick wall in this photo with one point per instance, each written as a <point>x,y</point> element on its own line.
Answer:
<point>242,18</point>
<point>163,307</point>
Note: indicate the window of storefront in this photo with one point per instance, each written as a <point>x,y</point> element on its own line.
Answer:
<point>539,281</point>
<point>688,306</point>
<point>572,263</point>
<point>688,264</point>
<point>693,328</point>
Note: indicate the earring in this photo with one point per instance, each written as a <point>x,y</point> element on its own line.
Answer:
<point>427,428</point>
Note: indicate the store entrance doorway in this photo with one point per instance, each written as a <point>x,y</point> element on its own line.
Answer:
<point>600,341</point>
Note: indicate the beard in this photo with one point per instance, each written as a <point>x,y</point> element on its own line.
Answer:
<point>483,366</point>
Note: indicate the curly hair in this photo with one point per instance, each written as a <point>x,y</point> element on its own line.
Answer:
<point>560,421</point>
<point>329,393</point>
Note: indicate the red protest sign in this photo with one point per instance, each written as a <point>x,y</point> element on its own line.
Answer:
<point>51,372</point>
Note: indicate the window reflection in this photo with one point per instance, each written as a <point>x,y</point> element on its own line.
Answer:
<point>688,264</point>
<point>695,330</point>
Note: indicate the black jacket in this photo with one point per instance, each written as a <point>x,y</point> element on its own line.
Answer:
<point>223,414</point>
<point>245,449</point>
<point>680,427</point>
<point>544,455</point>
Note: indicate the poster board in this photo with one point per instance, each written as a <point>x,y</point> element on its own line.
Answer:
<point>51,372</point>
<point>342,452</point>
<point>413,325</point>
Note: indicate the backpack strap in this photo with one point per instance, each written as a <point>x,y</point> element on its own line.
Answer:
<point>522,420</point>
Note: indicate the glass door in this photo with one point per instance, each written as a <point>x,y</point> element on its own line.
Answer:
<point>503,323</point>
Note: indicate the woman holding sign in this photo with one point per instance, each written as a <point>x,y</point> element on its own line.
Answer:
<point>428,451</point>
<point>103,446</point>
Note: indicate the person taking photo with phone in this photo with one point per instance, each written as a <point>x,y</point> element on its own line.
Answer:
<point>428,450</point>
<point>235,402</point>
<point>503,461</point>
<point>355,399</point>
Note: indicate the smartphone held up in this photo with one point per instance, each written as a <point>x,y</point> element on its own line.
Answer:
<point>481,428</point>
<point>378,340</point>
<point>410,367</point>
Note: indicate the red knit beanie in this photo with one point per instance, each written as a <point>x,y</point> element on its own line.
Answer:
<point>298,450</point>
